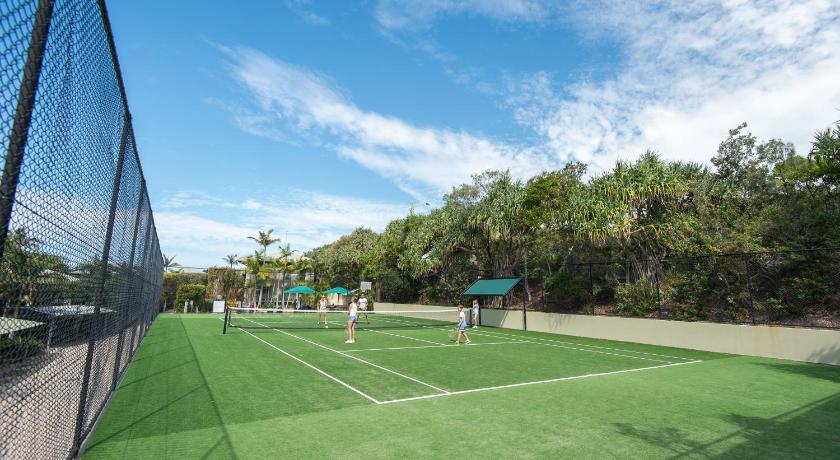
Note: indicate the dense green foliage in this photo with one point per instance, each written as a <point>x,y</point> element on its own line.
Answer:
<point>225,282</point>
<point>195,293</point>
<point>759,196</point>
<point>173,280</point>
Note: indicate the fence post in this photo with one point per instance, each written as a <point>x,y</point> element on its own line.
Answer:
<point>95,325</point>
<point>658,295</point>
<point>749,287</point>
<point>135,331</point>
<point>118,358</point>
<point>524,314</point>
<point>23,115</point>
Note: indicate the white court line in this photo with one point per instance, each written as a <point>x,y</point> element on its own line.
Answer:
<point>520,337</point>
<point>433,346</point>
<point>407,337</point>
<point>334,379</point>
<point>513,385</point>
<point>590,346</point>
<point>356,358</point>
<point>572,348</point>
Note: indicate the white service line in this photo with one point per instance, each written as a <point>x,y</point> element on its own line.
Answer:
<point>406,337</point>
<point>513,385</point>
<point>356,358</point>
<point>572,348</point>
<point>334,379</point>
<point>589,346</point>
<point>433,346</point>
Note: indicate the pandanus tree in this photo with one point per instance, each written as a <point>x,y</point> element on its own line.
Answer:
<point>643,207</point>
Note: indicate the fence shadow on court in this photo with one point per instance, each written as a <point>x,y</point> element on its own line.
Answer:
<point>168,396</point>
<point>807,432</point>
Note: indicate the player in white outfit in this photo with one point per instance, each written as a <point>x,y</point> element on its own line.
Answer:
<point>475,314</point>
<point>363,304</point>
<point>351,321</point>
<point>462,325</point>
<point>322,311</point>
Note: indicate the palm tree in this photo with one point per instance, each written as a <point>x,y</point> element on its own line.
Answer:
<point>169,263</point>
<point>284,265</point>
<point>265,240</point>
<point>254,266</point>
<point>231,259</point>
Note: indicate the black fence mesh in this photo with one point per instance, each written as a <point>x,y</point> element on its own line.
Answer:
<point>793,288</point>
<point>80,266</point>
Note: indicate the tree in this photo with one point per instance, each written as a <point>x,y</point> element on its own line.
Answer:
<point>825,153</point>
<point>231,259</point>
<point>644,208</point>
<point>169,263</point>
<point>265,240</point>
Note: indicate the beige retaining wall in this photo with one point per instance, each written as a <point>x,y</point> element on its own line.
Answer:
<point>799,344</point>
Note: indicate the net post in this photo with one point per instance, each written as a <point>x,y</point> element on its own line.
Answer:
<point>23,115</point>
<point>227,318</point>
<point>93,333</point>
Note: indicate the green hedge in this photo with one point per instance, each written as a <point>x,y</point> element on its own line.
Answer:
<point>197,293</point>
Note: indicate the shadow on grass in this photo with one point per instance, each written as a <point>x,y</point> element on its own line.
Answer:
<point>818,371</point>
<point>172,396</point>
<point>809,431</point>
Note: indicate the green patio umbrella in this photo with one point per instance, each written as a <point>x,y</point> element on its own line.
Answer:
<point>301,290</point>
<point>337,290</point>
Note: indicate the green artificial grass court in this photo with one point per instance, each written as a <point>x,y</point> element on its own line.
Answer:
<point>192,392</point>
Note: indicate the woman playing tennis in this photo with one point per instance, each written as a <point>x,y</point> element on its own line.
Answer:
<point>322,311</point>
<point>351,321</point>
<point>462,325</point>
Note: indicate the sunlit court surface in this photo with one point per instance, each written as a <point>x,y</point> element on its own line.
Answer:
<point>276,385</point>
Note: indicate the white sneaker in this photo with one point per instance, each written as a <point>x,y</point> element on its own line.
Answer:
<point>475,327</point>
<point>348,341</point>
<point>326,327</point>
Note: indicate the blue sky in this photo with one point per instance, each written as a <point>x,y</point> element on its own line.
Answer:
<point>314,118</point>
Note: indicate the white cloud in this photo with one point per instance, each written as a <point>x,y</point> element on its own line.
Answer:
<point>252,205</point>
<point>692,71</point>
<point>424,161</point>
<point>305,219</point>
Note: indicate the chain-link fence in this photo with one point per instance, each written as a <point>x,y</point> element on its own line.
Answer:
<point>80,265</point>
<point>794,288</point>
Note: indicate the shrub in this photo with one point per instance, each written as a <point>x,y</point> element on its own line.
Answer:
<point>637,298</point>
<point>569,290</point>
<point>190,292</point>
<point>397,287</point>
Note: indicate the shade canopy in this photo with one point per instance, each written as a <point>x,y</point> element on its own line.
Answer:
<point>301,290</point>
<point>336,290</point>
<point>496,287</point>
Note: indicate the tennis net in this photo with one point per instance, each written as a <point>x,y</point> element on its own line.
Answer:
<point>264,318</point>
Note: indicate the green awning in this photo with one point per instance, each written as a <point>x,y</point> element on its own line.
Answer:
<point>301,290</point>
<point>336,290</point>
<point>492,286</point>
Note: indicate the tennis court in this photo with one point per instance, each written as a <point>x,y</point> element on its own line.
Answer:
<point>279,385</point>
